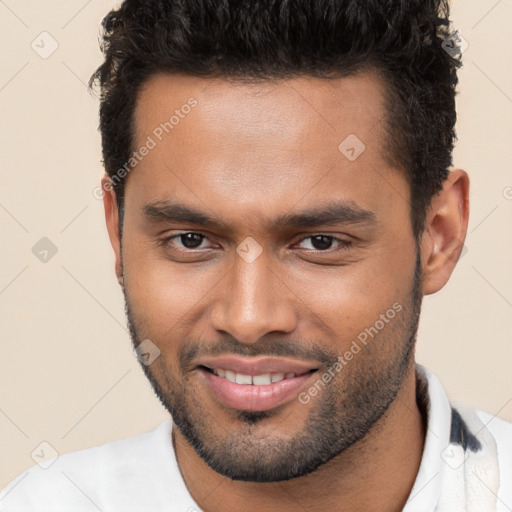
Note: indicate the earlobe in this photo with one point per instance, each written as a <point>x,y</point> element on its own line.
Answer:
<point>445,231</point>
<point>112,221</point>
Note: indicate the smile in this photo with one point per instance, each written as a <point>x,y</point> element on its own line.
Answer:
<point>256,380</point>
<point>254,392</point>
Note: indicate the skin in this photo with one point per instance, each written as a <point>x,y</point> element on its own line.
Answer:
<point>245,155</point>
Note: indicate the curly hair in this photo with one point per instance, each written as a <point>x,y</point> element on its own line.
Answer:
<point>273,39</point>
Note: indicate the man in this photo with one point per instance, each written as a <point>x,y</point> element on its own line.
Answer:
<point>279,197</point>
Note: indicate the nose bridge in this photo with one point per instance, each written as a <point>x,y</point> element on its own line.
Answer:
<point>254,301</point>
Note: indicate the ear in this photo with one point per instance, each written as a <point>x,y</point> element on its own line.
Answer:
<point>446,226</point>
<point>112,221</point>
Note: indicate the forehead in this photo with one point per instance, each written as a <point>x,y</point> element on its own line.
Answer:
<point>263,144</point>
<point>279,109</point>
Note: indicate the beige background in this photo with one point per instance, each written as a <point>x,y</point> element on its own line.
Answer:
<point>68,376</point>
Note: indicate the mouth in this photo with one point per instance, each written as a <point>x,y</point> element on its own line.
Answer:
<point>263,379</point>
<point>254,390</point>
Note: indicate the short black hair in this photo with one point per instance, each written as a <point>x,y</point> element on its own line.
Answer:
<point>274,39</point>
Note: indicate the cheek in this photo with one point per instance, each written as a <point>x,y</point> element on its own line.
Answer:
<point>165,297</point>
<point>347,300</point>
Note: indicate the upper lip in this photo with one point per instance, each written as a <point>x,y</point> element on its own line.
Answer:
<point>258,365</point>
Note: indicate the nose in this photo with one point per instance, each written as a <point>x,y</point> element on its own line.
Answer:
<point>253,301</point>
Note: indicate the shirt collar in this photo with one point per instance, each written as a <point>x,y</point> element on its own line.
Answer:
<point>426,490</point>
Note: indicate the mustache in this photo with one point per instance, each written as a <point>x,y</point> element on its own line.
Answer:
<point>192,350</point>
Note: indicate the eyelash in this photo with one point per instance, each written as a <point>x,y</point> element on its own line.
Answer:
<point>344,245</point>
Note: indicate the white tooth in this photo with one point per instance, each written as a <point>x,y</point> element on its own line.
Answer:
<point>221,372</point>
<point>289,375</point>
<point>230,376</point>
<point>276,377</point>
<point>261,379</point>
<point>243,379</point>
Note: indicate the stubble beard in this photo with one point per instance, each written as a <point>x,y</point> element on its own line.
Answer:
<point>343,413</point>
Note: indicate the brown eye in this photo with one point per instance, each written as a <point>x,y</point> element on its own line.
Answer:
<point>325,242</point>
<point>182,241</point>
<point>191,240</point>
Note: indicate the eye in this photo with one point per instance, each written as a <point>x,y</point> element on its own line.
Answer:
<point>323,242</point>
<point>188,240</point>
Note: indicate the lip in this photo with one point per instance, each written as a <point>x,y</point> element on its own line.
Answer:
<point>248,397</point>
<point>258,365</point>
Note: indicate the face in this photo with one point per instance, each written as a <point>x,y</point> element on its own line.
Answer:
<point>260,247</point>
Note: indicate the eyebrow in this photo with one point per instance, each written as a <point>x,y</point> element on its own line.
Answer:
<point>333,213</point>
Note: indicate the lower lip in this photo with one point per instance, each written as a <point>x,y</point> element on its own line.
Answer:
<point>250,397</point>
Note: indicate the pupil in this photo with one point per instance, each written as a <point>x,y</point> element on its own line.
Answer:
<point>325,242</point>
<point>188,240</point>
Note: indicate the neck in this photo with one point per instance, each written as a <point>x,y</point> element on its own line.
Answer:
<point>376,473</point>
